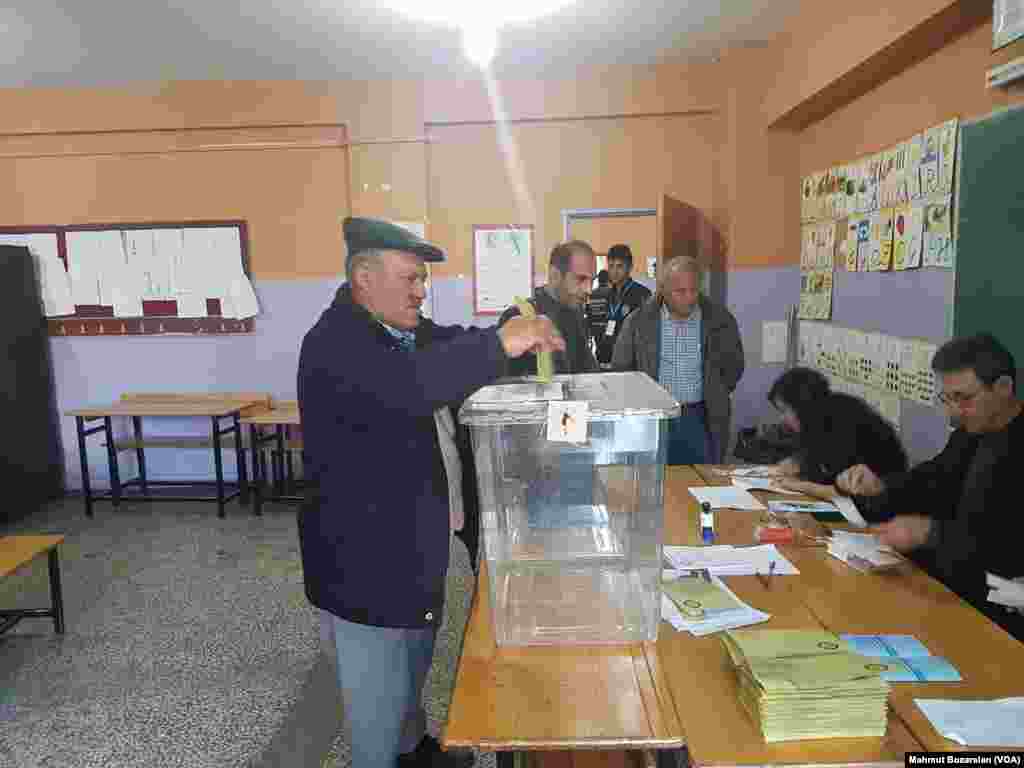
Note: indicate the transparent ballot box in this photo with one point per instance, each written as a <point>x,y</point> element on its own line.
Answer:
<point>571,477</point>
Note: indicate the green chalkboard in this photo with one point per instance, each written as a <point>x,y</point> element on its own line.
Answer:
<point>990,244</point>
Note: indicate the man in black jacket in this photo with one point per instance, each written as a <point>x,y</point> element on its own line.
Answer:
<point>956,512</point>
<point>626,296</point>
<point>570,276</point>
<point>375,382</point>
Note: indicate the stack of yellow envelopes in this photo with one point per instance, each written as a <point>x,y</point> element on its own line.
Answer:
<point>801,684</point>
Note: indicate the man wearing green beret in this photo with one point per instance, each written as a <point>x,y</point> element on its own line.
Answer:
<point>375,383</point>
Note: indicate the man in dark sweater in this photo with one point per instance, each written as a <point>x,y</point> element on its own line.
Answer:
<point>570,276</point>
<point>956,512</point>
<point>375,383</point>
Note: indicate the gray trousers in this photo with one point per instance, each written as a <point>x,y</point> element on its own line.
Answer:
<point>381,671</point>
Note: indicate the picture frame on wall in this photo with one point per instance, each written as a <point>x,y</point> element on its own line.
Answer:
<point>1007,22</point>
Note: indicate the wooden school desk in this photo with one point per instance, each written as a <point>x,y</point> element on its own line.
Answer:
<point>215,407</point>
<point>16,551</point>
<point>281,415</point>
<point>904,601</point>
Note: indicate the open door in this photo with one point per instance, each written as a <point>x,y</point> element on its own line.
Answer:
<point>683,228</point>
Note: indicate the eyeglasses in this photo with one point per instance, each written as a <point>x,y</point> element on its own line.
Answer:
<point>959,399</point>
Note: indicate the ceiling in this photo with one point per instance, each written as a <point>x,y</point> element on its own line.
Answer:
<point>114,42</point>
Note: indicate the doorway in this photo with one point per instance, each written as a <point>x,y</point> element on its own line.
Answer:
<point>605,227</point>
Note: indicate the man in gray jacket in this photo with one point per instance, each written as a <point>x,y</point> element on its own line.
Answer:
<point>691,346</point>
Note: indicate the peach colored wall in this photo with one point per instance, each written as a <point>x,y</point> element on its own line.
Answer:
<point>757,178</point>
<point>292,198</point>
<point>122,154</point>
<point>613,163</point>
<point>827,40</point>
<point>948,84</point>
<point>371,109</point>
<point>611,91</point>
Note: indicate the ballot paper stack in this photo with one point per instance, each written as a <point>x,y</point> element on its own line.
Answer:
<point>701,604</point>
<point>863,551</point>
<point>799,684</point>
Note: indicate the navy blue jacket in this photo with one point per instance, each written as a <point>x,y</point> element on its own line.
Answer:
<point>374,528</point>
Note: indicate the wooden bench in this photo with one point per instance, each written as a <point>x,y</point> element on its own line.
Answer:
<point>18,551</point>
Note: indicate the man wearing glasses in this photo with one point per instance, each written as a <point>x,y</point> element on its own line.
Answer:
<point>956,512</point>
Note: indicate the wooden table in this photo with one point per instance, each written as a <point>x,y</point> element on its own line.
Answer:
<point>137,407</point>
<point>17,551</point>
<point>556,697</point>
<point>906,601</point>
<point>683,691</point>
<point>280,417</point>
<point>701,678</point>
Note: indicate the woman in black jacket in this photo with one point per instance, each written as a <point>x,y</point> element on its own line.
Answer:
<point>834,431</point>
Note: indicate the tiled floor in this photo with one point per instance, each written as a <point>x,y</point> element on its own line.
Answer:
<point>189,643</point>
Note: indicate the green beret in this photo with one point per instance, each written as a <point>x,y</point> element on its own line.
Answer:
<point>377,235</point>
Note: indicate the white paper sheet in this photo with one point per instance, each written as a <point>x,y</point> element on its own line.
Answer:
<point>761,484</point>
<point>727,560</point>
<point>503,263</point>
<point>773,345</point>
<point>853,516</point>
<point>743,616</point>
<point>55,283</point>
<point>727,497</point>
<point>244,298</point>
<point>996,723</point>
<point>862,551</point>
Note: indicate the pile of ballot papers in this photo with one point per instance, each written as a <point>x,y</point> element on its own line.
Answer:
<point>701,604</point>
<point>807,684</point>
<point>727,560</point>
<point>863,551</point>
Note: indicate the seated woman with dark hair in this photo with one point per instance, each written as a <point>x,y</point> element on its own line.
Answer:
<point>835,431</point>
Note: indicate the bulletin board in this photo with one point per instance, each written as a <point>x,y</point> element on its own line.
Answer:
<point>502,267</point>
<point>990,282</point>
<point>142,278</point>
<point>878,252</point>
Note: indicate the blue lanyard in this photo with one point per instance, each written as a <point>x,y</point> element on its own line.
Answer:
<point>614,310</point>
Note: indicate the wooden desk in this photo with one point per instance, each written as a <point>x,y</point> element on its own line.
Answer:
<point>136,407</point>
<point>282,415</point>
<point>906,601</point>
<point>701,678</point>
<point>16,551</point>
<point>556,697</point>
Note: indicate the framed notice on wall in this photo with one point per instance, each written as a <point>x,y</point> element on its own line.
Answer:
<point>502,267</point>
<point>1007,22</point>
